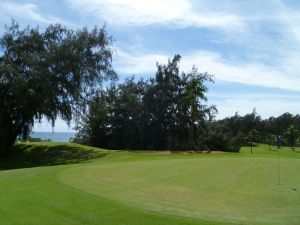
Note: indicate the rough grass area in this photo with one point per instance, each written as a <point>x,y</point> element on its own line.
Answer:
<point>74,184</point>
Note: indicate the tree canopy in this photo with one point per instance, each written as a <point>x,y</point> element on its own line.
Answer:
<point>252,128</point>
<point>168,111</point>
<point>50,73</point>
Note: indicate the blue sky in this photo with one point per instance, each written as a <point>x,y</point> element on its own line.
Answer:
<point>251,46</point>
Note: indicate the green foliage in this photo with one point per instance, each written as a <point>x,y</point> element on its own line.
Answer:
<point>251,128</point>
<point>270,139</point>
<point>51,73</point>
<point>253,136</point>
<point>291,135</point>
<point>165,112</point>
<point>220,137</point>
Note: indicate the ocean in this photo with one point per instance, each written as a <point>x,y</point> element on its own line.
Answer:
<point>54,136</point>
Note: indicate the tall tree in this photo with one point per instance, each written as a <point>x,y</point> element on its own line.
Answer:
<point>161,103</point>
<point>48,74</point>
<point>291,136</point>
<point>252,137</point>
<point>167,112</point>
<point>192,112</point>
<point>270,139</point>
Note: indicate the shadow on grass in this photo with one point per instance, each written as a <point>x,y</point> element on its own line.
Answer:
<point>36,155</point>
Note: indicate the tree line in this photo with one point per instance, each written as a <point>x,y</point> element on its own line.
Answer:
<point>252,128</point>
<point>59,72</point>
<point>168,111</point>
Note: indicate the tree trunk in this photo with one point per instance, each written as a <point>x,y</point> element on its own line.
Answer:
<point>7,140</point>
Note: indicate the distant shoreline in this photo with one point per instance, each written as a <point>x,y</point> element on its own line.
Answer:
<point>54,136</point>
<point>53,132</point>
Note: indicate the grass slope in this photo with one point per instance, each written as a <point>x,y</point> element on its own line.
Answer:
<point>73,184</point>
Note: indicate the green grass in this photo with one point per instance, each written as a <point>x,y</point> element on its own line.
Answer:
<point>53,183</point>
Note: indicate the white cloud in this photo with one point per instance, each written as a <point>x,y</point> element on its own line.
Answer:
<point>179,13</point>
<point>137,64</point>
<point>289,18</point>
<point>246,73</point>
<point>18,11</point>
<point>265,105</point>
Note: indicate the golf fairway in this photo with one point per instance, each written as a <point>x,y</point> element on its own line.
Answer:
<point>70,184</point>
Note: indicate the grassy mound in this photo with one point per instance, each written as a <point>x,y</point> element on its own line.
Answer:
<point>49,154</point>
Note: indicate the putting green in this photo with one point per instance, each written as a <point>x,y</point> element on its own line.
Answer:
<point>234,189</point>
